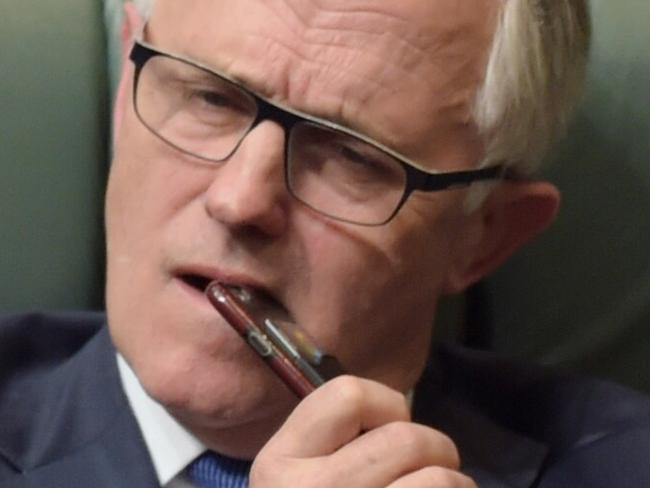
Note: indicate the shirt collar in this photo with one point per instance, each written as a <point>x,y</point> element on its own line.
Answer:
<point>170,445</point>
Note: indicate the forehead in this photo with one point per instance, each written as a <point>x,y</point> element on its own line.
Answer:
<point>402,72</point>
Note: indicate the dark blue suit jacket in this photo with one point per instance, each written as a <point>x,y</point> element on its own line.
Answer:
<point>65,421</point>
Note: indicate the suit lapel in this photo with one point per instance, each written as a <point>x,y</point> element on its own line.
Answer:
<point>81,431</point>
<point>492,454</point>
<point>115,459</point>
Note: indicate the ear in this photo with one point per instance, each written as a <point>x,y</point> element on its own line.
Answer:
<point>512,215</point>
<point>131,25</point>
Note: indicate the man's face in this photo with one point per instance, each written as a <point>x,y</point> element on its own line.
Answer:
<point>402,72</point>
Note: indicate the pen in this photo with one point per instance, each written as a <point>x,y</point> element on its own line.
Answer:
<point>285,348</point>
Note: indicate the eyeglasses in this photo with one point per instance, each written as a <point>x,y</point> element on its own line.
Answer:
<point>333,170</point>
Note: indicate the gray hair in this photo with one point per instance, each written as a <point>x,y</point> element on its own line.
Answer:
<point>533,81</point>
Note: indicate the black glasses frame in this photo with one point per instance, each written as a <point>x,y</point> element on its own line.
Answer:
<point>416,178</point>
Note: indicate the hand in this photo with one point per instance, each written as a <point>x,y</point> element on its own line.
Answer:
<point>357,433</point>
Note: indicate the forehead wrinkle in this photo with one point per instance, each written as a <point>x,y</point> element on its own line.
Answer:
<point>300,70</point>
<point>405,52</point>
<point>329,30</point>
<point>310,12</point>
<point>304,54</point>
<point>303,71</point>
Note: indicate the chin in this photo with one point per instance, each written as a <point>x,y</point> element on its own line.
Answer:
<point>232,407</point>
<point>212,388</point>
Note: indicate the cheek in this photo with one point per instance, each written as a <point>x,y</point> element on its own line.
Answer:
<point>372,296</point>
<point>147,191</point>
<point>149,184</point>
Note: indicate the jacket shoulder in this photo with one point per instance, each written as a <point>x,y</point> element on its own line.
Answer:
<point>38,339</point>
<point>36,350</point>
<point>594,430</point>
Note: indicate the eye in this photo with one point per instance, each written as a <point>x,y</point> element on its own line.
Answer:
<point>216,99</point>
<point>354,156</point>
<point>212,98</point>
<point>364,160</point>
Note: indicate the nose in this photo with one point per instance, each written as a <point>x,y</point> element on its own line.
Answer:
<point>248,189</point>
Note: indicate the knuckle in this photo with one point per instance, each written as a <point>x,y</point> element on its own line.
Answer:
<point>443,477</point>
<point>260,474</point>
<point>403,434</point>
<point>263,469</point>
<point>349,390</point>
<point>448,446</point>
<point>267,471</point>
<point>467,482</point>
<point>420,442</point>
<point>357,392</point>
<point>464,481</point>
<point>403,404</point>
<point>407,438</point>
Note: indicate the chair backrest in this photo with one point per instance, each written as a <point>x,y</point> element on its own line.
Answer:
<point>580,296</point>
<point>53,153</point>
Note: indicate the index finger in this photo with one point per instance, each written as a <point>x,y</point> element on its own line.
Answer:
<point>336,413</point>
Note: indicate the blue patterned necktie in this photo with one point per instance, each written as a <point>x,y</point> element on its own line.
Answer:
<point>211,470</point>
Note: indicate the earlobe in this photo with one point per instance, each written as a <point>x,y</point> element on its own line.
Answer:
<point>514,214</point>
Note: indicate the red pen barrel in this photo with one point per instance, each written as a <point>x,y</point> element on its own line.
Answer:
<point>224,301</point>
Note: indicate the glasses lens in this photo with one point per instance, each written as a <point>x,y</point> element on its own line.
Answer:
<point>192,109</point>
<point>342,176</point>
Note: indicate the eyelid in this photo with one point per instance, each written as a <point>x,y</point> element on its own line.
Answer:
<point>218,88</point>
<point>359,155</point>
<point>367,152</point>
<point>195,76</point>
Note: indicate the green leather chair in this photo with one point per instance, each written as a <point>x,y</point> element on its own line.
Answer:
<point>579,297</point>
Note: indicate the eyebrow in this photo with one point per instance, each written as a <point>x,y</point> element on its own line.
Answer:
<point>336,123</point>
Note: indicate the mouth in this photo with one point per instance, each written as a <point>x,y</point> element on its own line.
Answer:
<point>258,300</point>
<point>198,282</point>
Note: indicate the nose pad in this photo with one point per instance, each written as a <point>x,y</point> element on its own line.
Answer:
<point>248,189</point>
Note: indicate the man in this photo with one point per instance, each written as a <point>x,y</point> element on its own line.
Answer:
<point>294,147</point>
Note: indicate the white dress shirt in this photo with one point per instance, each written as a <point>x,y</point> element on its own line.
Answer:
<point>170,445</point>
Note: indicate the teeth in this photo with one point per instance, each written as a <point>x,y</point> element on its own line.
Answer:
<point>244,294</point>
